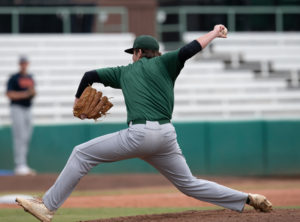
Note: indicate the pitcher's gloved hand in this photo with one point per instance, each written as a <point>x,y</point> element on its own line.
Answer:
<point>91,104</point>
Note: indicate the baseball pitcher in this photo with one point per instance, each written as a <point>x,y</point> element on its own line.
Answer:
<point>148,88</point>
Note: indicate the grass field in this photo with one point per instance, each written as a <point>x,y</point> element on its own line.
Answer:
<point>77,214</point>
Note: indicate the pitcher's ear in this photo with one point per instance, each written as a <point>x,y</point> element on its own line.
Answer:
<point>140,53</point>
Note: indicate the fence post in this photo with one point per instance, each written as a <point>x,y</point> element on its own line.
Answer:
<point>279,20</point>
<point>231,20</point>
<point>66,21</point>
<point>15,21</point>
<point>124,25</point>
<point>182,22</point>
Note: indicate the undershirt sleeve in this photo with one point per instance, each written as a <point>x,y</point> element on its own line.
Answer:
<point>189,50</point>
<point>88,79</point>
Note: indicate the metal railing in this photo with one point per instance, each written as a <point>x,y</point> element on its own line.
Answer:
<point>66,13</point>
<point>230,11</point>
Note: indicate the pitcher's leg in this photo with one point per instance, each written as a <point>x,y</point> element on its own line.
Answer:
<point>106,148</point>
<point>175,169</point>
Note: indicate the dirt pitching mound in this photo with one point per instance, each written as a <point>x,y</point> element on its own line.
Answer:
<point>288,215</point>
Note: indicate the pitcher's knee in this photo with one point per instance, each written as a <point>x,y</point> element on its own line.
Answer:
<point>77,154</point>
<point>83,161</point>
<point>77,150</point>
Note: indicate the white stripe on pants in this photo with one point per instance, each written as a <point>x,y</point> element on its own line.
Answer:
<point>154,143</point>
<point>21,130</point>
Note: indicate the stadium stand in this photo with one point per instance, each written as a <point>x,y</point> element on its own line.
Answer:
<point>272,63</point>
<point>58,63</point>
<point>244,77</point>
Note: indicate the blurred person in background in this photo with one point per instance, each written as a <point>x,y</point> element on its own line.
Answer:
<point>21,91</point>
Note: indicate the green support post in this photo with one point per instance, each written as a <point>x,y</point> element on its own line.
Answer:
<point>15,22</point>
<point>66,21</point>
<point>182,22</point>
<point>279,20</point>
<point>124,25</point>
<point>231,20</point>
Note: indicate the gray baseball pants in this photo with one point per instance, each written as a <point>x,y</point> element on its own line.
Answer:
<point>22,130</point>
<point>153,143</point>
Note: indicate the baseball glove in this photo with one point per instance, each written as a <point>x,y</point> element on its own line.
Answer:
<point>91,104</point>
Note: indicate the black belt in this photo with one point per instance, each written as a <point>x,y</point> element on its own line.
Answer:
<point>143,121</point>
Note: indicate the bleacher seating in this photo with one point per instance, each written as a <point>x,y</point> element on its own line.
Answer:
<point>207,88</point>
<point>264,94</point>
<point>279,49</point>
<point>58,63</point>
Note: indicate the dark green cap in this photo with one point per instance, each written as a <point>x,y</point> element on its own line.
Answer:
<point>144,42</point>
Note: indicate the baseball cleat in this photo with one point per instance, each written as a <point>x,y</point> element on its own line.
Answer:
<point>260,203</point>
<point>36,208</point>
<point>24,171</point>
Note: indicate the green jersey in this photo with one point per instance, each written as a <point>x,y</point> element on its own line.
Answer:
<point>147,85</point>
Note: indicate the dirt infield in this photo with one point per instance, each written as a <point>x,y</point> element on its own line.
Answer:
<point>280,197</point>
<point>290,215</point>
<point>42,182</point>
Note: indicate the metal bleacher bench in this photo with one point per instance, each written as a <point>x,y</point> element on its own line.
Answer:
<point>205,86</point>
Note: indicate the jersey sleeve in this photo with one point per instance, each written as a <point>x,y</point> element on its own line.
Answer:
<point>33,81</point>
<point>11,84</point>
<point>110,76</point>
<point>173,64</point>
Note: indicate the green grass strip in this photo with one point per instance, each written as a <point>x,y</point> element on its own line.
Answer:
<point>77,214</point>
